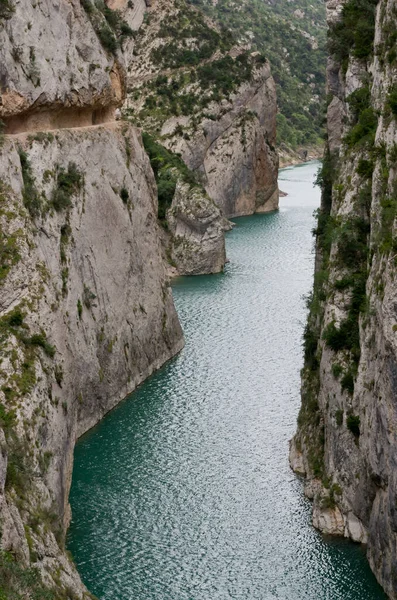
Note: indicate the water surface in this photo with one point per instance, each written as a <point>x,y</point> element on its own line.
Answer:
<point>184,491</point>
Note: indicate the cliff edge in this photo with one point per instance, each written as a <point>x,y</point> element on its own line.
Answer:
<point>86,311</point>
<point>346,443</point>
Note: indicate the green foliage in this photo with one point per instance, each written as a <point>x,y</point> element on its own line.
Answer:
<point>339,417</point>
<point>337,370</point>
<point>226,74</point>
<point>181,27</point>
<point>39,339</point>
<point>365,120</point>
<point>19,583</point>
<point>352,238</point>
<point>6,9</point>
<point>364,131</point>
<point>167,168</point>
<point>30,195</point>
<point>392,100</point>
<point>347,381</point>
<point>7,418</point>
<point>68,184</point>
<point>109,25</point>
<point>107,39</point>
<point>270,28</point>
<point>353,34</point>
<point>388,215</point>
<point>353,424</point>
<point>365,168</point>
<point>347,335</point>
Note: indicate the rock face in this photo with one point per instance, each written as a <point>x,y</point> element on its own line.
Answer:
<point>218,115</point>
<point>54,71</point>
<point>234,150</point>
<point>86,311</point>
<point>346,441</point>
<point>197,227</point>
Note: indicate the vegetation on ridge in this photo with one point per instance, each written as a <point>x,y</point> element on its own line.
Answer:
<point>293,37</point>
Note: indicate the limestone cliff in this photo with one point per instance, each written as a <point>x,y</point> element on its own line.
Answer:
<point>346,443</point>
<point>86,311</point>
<point>210,102</point>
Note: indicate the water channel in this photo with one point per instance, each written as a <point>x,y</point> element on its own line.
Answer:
<point>184,492</point>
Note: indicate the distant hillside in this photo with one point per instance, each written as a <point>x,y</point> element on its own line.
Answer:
<point>292,35</point>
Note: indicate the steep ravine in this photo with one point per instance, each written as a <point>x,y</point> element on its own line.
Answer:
<point>184,490</point>
<point>346,443</point>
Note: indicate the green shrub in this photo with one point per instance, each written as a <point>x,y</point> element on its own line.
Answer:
<point>6,9</point>
<point>347,382</point>
<point>364,131</point>
<point>39,339</point>
<point>167,168</point>
<point>18,583</point>
<point>353,243</point>
<point>68,184</point>
<point>107,38</point>
<point>354,32</point>
<point>7,418</point>
<point>30,195</point>
<point>353,424</point>
<point>365,168</point>
<point>14,318</point>
<point>337,370</point>
<point>339,417</point>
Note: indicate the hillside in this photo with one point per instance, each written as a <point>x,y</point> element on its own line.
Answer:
<point>292,36</point>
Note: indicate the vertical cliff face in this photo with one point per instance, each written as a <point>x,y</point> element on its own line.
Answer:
<point>86,311</point>
<point>346,442</point>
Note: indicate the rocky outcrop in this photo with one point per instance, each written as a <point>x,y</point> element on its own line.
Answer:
<point>86,311</point>
<point>233,151</point>
<point>54,70</point>
<point>197,227</point>
<point>346,441</point>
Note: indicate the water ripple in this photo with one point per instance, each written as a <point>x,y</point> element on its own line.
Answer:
<point>184,492</point>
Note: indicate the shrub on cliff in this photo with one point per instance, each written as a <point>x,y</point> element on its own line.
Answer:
<point>353,424</point>
<point>167,168</point>
<point>354,33</point>
<point>68,183</point>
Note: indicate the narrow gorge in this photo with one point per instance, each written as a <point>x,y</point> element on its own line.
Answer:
<point>136,138</point>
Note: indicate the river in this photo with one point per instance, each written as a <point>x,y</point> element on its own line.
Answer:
<point>184,491</point>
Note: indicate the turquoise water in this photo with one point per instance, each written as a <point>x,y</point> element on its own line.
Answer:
<point>184,492</point>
